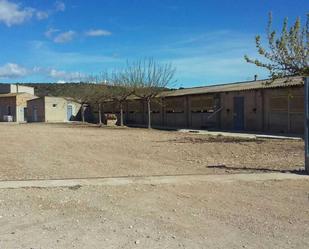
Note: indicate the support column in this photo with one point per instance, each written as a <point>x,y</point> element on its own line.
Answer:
<point>307,124</point>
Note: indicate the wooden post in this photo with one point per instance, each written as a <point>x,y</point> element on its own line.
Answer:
<point>307,124</point>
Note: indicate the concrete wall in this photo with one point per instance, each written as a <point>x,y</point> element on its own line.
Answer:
<point>253,109</point>
<point>135,112</point>
<point>284,110</point>
<point>201,110</point>
<point>173,112</point>
<point>55,109</point>
<point>265,110</point>
<point>38,106</point>
<point>21,106</point>
<point>270,110</point>
<point>8,104</point>
<point>51,109</point>
<point>5,88</point>
<point>13,88</point>
<point>21,89</point>
<point>17,105</point>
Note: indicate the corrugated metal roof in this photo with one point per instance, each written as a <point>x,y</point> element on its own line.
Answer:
<point>238,86</point>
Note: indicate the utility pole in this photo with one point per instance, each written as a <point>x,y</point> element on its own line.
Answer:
<point>307,124</point>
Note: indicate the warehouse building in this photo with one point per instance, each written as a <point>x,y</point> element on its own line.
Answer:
<point>13,102</point>
<point>259,106</point>
<point>52,109</point>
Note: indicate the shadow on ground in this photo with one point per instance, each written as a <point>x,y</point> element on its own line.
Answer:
<point>300,171</point>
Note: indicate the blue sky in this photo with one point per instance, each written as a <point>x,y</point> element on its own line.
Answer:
<point>55,41</point>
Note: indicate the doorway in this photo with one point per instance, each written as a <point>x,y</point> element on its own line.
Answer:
<point>25,114</point>
<point>35,115</point>
<point>69,112</point>
<point>239,114</point>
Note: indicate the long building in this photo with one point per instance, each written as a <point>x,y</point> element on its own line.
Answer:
<point>259,106</point>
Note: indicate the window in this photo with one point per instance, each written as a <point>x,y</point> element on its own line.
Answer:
<point>54,105</point>
<point>200,104</point>
<point>279,103</point>
<point>174,105</point>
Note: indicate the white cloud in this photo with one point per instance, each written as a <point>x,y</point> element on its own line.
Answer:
<point>59,6</point>
<point>13,14</point>
<point>65,76</point>
<point>68,36</point>
<point>15,71</point>
<point>40,15</point>
<point>12,70</point>
<point>98,32</point>
<point>50,32</point>
<point>65,37</point>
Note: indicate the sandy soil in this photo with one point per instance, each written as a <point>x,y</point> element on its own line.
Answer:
<point>181,214</point>
<point>270,214</point>
<point>44,151</point>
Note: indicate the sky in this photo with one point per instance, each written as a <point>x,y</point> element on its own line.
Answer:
<point>205,40</point>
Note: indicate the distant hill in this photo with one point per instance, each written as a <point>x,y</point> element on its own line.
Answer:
<point>60,89</point>
<point>65,89</point>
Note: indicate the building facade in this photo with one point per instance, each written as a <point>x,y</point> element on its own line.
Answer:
<point>13,107</point>
<point>258,106</point>
<point>52,109</point>
<point>15,88</point>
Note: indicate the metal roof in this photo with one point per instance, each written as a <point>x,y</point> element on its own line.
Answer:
<point>238,86</point>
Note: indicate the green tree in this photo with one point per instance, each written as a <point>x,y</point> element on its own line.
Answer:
<point>287,53</point>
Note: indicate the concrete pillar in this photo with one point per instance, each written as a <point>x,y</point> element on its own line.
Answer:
<point>307,124</point>
<point>186,111</point>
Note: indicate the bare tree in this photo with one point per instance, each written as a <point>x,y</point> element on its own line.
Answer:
<point>100,95</point>
<point>121,89</point>
<point>101,92</point>
<point>288,54</point>
<point>149,78</point>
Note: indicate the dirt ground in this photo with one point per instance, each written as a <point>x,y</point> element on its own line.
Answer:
<point>180,214</point>
<point>269,214</point>
<point>33,151</point>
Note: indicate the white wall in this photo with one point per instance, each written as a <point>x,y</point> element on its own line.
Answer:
<point>22,89</point>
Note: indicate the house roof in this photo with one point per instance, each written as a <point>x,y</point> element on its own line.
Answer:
<point>238,86</point>
<point>5,95</point>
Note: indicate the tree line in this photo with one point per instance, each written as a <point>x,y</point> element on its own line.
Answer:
<point>143,79</point>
